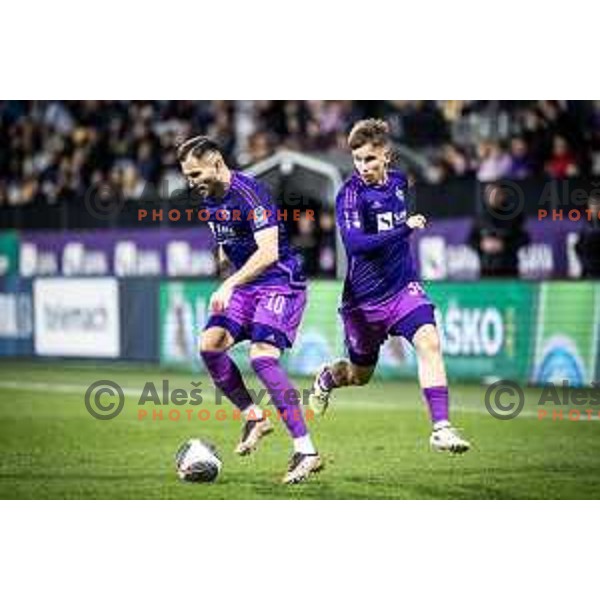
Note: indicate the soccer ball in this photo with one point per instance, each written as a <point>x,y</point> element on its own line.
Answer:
<point>197,461</point>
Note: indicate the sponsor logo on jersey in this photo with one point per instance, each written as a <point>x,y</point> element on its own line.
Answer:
<point>385,221</point>
<point>260,216</point>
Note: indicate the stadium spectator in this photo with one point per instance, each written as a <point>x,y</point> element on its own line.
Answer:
<point>327,254</point>
<point>454,161</point>
<point>424,125</point>
<point>494,162</point>
<point>306,240</point>
<point>3,194</point>
<point>588,245</point>
<point>498,234</point>
<point>260,146</point>
<point>533,130</point>
<point>562,163</point>
<point>521,163</point>
<point>593,126</point>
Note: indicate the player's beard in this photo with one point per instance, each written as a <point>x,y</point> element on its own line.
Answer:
<point>217,189</point>
<point>202,191</point>
<point>212,189</point>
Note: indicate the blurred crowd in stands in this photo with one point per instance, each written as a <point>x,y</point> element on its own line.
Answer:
<point>518,140</point>
<point>54,150</point>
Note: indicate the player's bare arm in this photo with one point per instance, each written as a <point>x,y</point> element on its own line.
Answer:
<point>266,254</point>
<point>223,263</point>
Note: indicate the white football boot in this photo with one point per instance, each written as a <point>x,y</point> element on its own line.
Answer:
<point>301,467</point>
<point>252,432</point>
<point>445,438</point>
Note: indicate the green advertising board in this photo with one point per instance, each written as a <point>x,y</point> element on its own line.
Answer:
<point>486,330</point>
<point>486,327</point>
<point>183,314</point>
<point>9,253</point>
<point>524,331</point>
<point>320,338</point>
<point>566,343</point>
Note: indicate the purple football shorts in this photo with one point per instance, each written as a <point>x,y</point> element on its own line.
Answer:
<point>368,325</point>
<point>263,314</point>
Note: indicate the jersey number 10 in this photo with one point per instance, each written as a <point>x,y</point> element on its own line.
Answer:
<point>275,304</point>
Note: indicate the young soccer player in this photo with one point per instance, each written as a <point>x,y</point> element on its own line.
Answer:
<point>382,294</point>
<point>263,300</point>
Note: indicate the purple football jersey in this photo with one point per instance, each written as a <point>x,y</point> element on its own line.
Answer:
<point>234,219</point>
<point>372,223</point>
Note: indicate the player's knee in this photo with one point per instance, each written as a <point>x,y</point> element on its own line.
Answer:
<point>264,350</point>
<point>211,345</point>
<point>214,341</point>
<point>428,343</point>
<point>261,358</point>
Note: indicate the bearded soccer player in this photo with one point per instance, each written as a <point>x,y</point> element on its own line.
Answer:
<point>382,294</point>
<point>263,300</point>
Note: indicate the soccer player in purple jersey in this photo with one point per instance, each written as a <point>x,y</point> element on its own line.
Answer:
<point>382,294</point>
<point>262,301</point>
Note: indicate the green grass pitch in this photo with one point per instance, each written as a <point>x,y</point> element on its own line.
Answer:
<point>374,441</point>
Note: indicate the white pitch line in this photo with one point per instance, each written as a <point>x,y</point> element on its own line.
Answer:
<point>69,388</point>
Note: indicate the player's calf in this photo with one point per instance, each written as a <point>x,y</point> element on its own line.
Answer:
<point>432,377</point>
<point>341,373</point>
<point>286,399</point>
<point>227,378</point>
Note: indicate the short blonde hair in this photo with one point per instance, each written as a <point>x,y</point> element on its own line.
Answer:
<point>374,131</point>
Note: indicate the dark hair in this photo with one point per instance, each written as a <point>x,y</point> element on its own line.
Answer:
<point>197,146</point>
<point>374,131</point>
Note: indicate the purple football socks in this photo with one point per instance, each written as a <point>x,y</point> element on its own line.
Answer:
<point>227,378</point>
<point>326,380</point>
<point>283,393</point>
<point>437,401</point>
